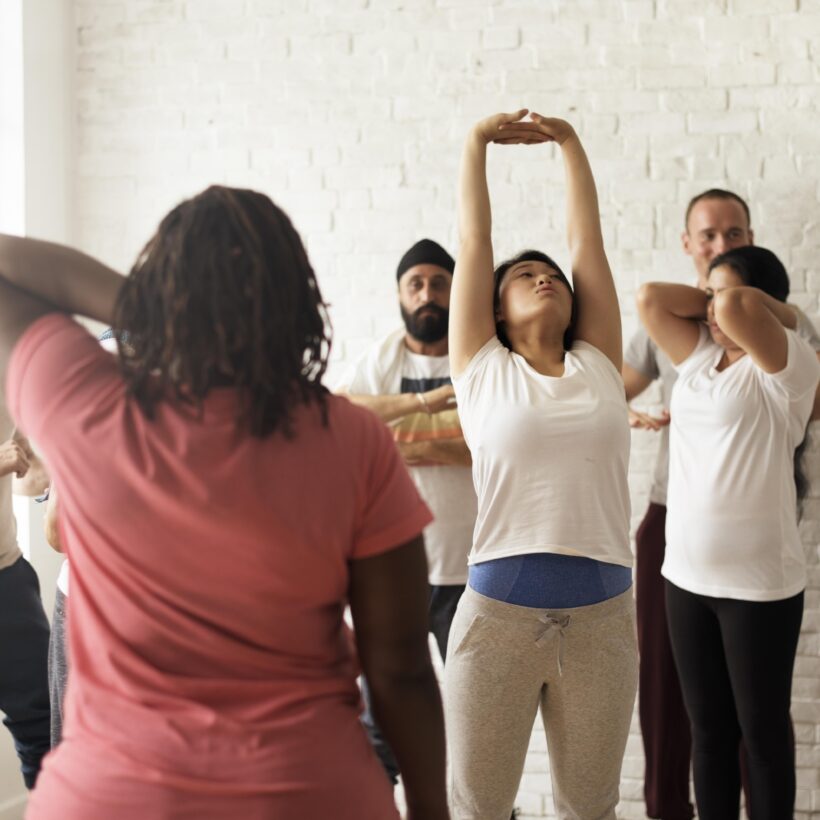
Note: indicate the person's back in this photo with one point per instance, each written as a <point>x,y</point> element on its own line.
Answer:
<point>212,559</point>
<point>210,577</point>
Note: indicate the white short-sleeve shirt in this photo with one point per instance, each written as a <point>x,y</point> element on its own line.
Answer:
<point>550,455</point>
<point>389,367</point>
<point>731,526</point>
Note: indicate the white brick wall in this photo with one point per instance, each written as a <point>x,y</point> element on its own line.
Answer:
<point>350,114</point>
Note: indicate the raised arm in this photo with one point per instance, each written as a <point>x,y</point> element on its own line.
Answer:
<point>41,277</point>
<point>755,322</point>
<point>598,315</point>
<point>472,321</point>
<point>671,315</point>
<point>598,319</point>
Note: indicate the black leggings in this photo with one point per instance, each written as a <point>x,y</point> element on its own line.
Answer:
<point>735,661</point>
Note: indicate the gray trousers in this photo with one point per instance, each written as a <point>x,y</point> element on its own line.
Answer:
<point>57,667</point>
<point>504,662</point>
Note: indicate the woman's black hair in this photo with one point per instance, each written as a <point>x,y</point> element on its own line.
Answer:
<point>498,278</point>
<point>760,268</point>
<point>224,295</point>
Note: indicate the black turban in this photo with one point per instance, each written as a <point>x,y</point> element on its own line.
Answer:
<point>425,252</point>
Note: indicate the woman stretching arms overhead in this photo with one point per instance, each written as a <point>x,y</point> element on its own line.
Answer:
<point>734,567</point>
<point>548,617</point>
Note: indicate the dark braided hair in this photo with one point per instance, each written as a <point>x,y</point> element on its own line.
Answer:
<point>224,295</point>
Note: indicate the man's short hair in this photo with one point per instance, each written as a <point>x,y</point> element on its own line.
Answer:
<point>717,193</point>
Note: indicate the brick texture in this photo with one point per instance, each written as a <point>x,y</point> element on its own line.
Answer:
<point>350,114</point>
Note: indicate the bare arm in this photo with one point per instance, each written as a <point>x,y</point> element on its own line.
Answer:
<point>671,315</point>
<point>452,451</point>
<point>389,407</point>
<point>389,600</point>
<point>598,319</point>
<point>755,322</point>
<point>635,383</point>
<point>40,277</point>
<point>36,479</point>
<point>472,321</point>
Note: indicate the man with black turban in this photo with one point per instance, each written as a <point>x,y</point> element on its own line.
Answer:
<point>405,379</point>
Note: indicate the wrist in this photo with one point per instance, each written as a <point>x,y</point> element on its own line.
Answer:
<point>423,402</point>
<point>570,140</point>
<point>477,139</point>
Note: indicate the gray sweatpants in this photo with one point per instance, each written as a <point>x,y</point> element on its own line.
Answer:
<point>57,666</point>
<point>504,661</point>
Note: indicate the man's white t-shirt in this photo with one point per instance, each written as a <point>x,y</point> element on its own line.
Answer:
<point>550,455</point>
<point>389,367</point>
<point>731,526</point>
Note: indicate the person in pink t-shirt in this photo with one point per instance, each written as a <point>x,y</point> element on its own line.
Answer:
<point>220,509</point>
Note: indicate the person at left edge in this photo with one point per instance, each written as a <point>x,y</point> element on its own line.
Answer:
<point>24,630</point>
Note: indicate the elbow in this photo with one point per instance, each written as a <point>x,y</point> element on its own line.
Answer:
<point>731,304</point>
<point>647,297</point>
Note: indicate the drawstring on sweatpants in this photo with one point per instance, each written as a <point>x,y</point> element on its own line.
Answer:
<point>553,623</point>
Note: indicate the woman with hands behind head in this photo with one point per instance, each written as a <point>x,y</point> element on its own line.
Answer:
<point>734,567</point>
<point>220,510</point>
<point>548,618</point>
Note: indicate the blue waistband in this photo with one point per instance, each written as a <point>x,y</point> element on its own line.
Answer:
<point>549,581</point>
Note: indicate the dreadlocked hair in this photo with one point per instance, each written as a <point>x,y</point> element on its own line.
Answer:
<point>224,295</point>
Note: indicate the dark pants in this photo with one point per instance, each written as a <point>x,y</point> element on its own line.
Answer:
<point>735,660</point>
<point>443,603</point>
<point>664,722</point>
<point>57,667</point>
<point>23,666</point>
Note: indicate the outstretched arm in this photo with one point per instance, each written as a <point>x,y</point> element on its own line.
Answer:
<point>671,315</point>
<point>41,277</point>
<point>472,321</point>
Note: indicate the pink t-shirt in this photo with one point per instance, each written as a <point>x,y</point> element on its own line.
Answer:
<point>212,674</point>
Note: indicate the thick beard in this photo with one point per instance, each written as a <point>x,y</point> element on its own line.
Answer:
<point>426,329</point>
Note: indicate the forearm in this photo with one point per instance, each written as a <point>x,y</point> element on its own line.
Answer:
<point>583,216</point>
<point>474,213</point>
<point>65,278</point>
<point>408,710</point>
<point>388,407</point>
<point>735,303</point>
<point>451,451</point>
